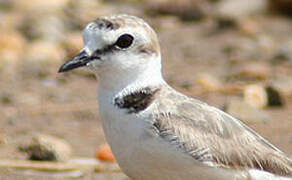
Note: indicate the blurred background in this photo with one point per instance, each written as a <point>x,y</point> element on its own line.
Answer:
<point>233,54</point>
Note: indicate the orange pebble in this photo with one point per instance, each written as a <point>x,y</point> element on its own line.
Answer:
<point>105,153</point>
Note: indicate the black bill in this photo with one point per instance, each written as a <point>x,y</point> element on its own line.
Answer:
<point>79,60</point>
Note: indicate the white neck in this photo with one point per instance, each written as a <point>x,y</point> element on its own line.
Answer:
<point>121,81</point>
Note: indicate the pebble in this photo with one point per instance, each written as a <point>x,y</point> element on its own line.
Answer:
<point>245,112</point>
<point>255,95</point>
<point>275,97</point>
<point>283,6</point>
<point>260,96</point>
<point>47,148</point>
<point>104,153</point>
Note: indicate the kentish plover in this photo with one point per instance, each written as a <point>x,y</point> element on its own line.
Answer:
<point>155,132</point>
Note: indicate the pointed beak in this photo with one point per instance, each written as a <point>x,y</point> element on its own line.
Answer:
<point>79,60</point>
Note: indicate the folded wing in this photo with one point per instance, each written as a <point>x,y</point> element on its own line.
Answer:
<point>214,137</point>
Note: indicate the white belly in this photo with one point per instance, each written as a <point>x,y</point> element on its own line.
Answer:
<point>142,155</point>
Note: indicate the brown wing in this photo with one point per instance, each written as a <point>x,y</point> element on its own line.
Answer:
<point>214,137</point>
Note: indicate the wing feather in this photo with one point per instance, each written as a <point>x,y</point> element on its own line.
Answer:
<point>214,137</point>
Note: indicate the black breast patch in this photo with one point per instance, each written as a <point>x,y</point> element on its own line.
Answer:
<point>136,101</point>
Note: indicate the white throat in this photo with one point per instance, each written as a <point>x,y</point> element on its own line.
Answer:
<point>126,80</point>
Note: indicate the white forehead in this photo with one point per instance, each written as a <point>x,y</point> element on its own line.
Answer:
<point>106,30</point>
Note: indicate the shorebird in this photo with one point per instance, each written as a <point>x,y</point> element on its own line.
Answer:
<point>157,133</point>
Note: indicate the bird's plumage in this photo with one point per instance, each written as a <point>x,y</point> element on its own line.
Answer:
<point>156,132</point>
<point>214,137</point>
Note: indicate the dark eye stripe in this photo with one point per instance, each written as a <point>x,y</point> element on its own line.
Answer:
<point>123,42</point>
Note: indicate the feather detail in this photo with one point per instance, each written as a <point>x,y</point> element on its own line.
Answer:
<point>214,137</point>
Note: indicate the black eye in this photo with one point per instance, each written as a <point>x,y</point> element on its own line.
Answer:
<point>124,41</point>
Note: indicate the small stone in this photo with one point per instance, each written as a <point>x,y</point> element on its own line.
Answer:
<point>255,95</point>
<point>274,96</point>
<point>283,6</point>
<point>245,112</point>
<point>48,148</point>
<point>260,96</point>
<point>104,153</point>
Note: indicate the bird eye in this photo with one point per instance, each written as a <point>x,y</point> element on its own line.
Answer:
<point>124,41</point>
